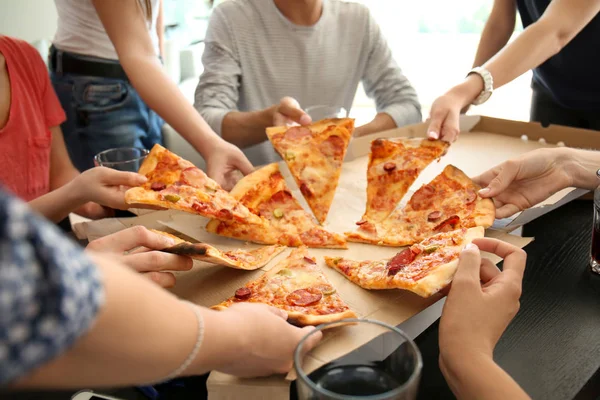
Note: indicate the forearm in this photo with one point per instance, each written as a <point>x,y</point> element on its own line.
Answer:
<point>381,122</point>
<point>478,377</point>
<point>581,166</point>
<point>245,129</point>
<point>168,327</point>
<point>58,204</point>
<point>146,75</point>
<point>497,31</point>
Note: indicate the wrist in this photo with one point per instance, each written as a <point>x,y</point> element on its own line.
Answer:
<point>580,167</point>
<point>74,193</point>
<point>458,368</point>
<point>466,92</point>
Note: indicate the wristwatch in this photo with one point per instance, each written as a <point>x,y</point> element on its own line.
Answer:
<point>488,84</point>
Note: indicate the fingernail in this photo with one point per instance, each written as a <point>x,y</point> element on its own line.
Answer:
<point>470,246</point>
<point>305,120</point>
<point>484,191</point>
<point>434,135</point>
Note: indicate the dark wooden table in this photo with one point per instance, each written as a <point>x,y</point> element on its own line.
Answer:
<point>552,347</point>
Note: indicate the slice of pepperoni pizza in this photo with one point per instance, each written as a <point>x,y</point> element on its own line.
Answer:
<point>424,268</point>
<point>239,259</point>
<point>176,183</point>
<point>314,155</point>
<point>450,201</point>
<point>394,165</point>
<point>265,193</point>
<point>297,286</point>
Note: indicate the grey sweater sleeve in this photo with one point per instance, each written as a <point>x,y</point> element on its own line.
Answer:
<point>384,81</point>
<point>217,92</point>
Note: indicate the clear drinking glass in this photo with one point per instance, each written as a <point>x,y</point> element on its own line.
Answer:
<point>388,366</point>
<point>322,112</point>
<point>122,158</point>
<point>595,256</point>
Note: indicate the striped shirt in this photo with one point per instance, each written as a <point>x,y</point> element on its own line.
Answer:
<point>254,56</point>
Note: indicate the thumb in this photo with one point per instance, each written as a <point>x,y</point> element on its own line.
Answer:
<point>243,164</point>
<point>312,340</point>
<point>467,273</point>
<point>507,174</point>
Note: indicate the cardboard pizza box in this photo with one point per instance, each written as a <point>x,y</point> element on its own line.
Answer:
<point>484,143</point>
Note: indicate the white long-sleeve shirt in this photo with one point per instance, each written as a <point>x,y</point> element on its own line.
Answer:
<point>254,56</point>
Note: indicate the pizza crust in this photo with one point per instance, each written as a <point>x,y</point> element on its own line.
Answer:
<point>299,319</point>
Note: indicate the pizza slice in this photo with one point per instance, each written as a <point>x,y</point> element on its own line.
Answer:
<point>450,201</point>
<point>424,268</point>
<point>314,155</point>
<point>238,259</point>
<point>394,165</point>
<point>297,286</point>
<point>265,193</point>
<point>178,184</point>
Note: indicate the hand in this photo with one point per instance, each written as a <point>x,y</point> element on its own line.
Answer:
<point>269,340</point>
<point>105,186</point>
<point>482,301</point>
<point>224,161</point>
<point>135,247</point>
<point>518,184</point>
<point>288,112</point>
<point>444,122</point>
<point>94,211</point>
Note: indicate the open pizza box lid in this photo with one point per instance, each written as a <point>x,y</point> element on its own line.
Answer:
<point>484,143</point>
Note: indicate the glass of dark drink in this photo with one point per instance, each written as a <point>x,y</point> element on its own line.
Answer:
<point>123,158</point>
<point>388,366</point>
<point>595,257</point>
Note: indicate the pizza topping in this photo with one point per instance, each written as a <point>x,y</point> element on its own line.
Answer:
<point>278,213</point>
<point>333,147</point>
<point>285,272</point>
<point>389,166</point>
<point>290,155</point>
<point>362,221</point>
<point>422,197</point>
<point>306,190</point>
<point>194,177</point>
<point>448,225</point>
<point>224,214</point>
<point>304,297</point>
<point>326,289</point>
<point>433,216</point>
<point>430,249</point>
<point>309,260</point>
<point>297,132</point>
<point>471,196</point>
<point>416,249</point>
<point>173,198</point>
<point>400,261</point>
<point>158,186</point>
<point>243,293</point>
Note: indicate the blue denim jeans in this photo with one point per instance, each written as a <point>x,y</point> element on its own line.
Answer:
<point>103,113</point>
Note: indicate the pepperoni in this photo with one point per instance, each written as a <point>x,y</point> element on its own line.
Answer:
<point>389,166</point>
<point>158,186</point>
<point>243,293</point>
<point>422,197</point>
<point>333,147</point>
<point>416,249</point>
<point>200,207</point>
<point>400,261</point>
<point>448,225</point>
<point>362,221</point>
<point>309,260</point>
<point>282,196</point>
<point>471,196</point>
<point>433,216</point>
<point>304,297</point>
<point>368,227</point>
<point>224,214</point>
<point>305,190</point>
<point>194,177</point>
<point>297,132</point>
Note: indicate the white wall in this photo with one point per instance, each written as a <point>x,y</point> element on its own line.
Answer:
<point>29,20</point>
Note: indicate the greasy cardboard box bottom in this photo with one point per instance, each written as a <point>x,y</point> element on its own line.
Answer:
<point>484,143</point>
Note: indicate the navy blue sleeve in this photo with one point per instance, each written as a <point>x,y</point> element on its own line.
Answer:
<point>50,291</point>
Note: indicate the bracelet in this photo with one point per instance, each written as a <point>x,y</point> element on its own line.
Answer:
<point>192,356</point>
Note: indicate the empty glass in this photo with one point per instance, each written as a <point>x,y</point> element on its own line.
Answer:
<point>322,112</point>
<point>388,366</point>
<point>122,158</point>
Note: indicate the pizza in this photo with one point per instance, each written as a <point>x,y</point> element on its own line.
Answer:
<point>448,202</point>
<point>424,268</point>
<point>265,193</point>
<point>240,259</point>
<point>297,286</point>
<point>314,155</point>
<point>178,184</point>
<point>394,165</point>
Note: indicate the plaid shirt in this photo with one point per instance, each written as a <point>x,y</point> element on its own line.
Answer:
<point>50,291</point>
